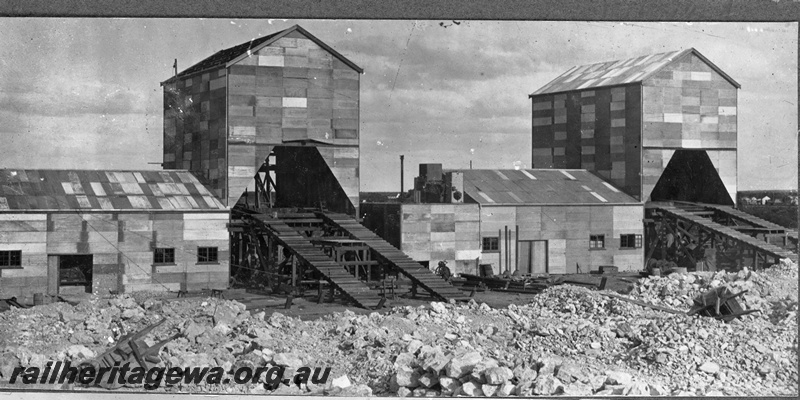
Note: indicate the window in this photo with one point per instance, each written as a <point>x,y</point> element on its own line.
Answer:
<point>597,241</point>
<point>207,255</point>
<point>163,256</point>
<point>630,241</point>
<point>491,244</point>
<point>10,258</point>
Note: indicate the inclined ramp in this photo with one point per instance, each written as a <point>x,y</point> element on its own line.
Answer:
<point>729,232</point>
<point>414,271</point>
<point>331,271</point>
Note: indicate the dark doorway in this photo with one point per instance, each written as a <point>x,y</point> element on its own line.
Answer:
<point>75,270</point>
<point>690,176</point>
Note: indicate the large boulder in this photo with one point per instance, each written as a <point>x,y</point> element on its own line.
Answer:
<point>449,385</point>
<point>471,389</point>
<point>463,364</point>
<point>407,377</point>
<point>433,359</point>
<point>546,385</point>
<point>498,375</point>
<point>225,313</point>
<point>290,360</point>
<point>618,378</point>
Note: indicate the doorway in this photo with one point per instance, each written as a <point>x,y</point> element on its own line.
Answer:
<point>69,273</point>
<point>532,257</point>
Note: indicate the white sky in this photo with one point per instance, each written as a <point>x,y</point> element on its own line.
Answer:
<point>84,93</point>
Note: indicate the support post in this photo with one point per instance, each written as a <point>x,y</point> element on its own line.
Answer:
<point>505,243</point>
<point>755,260</point>
<point>294,271</point>
<point>516,248</point>
<point>500,251</point>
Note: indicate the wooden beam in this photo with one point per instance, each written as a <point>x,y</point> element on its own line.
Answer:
<point>680,245</point>
<point>358,263</point>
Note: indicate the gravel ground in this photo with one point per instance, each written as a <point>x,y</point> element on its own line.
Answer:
<point>567,340</point>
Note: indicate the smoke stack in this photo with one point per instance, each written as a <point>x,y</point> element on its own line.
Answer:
<point>402,157</point>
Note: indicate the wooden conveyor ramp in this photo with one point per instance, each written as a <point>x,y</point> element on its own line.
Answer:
<point>726,231</point>
<point>749,223</point>
<point>413,270</point>
<point>314,257</point>
<point>743,216</point>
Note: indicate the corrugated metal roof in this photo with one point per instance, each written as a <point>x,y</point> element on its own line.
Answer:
<point>619,72</point>
<point>25,189</point>
<point>229,55</point>
<point>541,186</point>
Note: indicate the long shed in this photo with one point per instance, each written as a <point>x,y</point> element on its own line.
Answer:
<point>67,231</point>
<point>535,221</point>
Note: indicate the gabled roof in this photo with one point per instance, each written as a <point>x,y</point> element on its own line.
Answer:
<point>540,186</point>
<point>620,72</point>
<point>29,189</point>
<point>234,54</point>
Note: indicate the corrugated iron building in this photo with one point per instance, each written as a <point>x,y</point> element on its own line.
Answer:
<point>287,93</point>
<point>638,122</point>
<point>534,221</point>
<point>98,231</point>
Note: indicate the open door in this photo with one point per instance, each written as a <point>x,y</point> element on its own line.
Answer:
<point>75,273</point>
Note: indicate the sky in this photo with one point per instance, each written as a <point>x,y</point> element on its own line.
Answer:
<point>85,93</point>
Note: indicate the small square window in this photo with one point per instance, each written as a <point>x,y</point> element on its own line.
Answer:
<point>597,241</point>
<point>163,255</point>
<point>630,241</point>
<point>11,258</point>
<point>491,244</point>
<point>207,255</point>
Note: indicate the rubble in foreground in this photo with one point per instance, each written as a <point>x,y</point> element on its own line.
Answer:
<point>569,340</point>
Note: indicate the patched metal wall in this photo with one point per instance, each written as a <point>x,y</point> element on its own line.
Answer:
<point>598,130</point>
<point>688,105</point>
<point>194,126</point>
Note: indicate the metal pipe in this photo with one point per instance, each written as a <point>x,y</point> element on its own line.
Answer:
<point>516,248</point>
<point>402,158</point>
<point>508,258</point>
<point>500,252</point>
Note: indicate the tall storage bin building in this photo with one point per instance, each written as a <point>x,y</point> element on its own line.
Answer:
<point>287,93</point>
<point>640,122</point>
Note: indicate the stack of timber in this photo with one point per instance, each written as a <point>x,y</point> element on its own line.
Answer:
<point>728,232</point>
<point>331,271</point>
<point>419,275</point>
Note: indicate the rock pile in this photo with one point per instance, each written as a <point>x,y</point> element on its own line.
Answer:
<point>569,340</point>
<point>678,290</point>
<point>425,371</point>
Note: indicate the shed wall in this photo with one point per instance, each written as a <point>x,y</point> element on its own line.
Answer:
<point>442,232</point>
<point>122,248</point>
<point>567,230</point>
